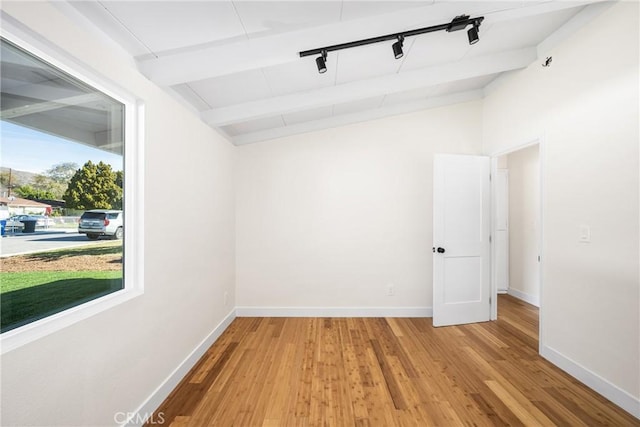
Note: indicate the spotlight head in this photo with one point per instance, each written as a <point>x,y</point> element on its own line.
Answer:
<point>320,62</point>
<point>473,35</point>
<point>322,67</point>
<point>397,48</point>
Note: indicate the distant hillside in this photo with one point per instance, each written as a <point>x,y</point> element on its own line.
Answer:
<point>18,178</point>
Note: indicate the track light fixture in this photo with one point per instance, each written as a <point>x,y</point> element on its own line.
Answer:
<point>320,62</point>
<point>397,48</point>
<point>458,23</point>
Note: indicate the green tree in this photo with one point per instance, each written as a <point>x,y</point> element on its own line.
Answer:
<point>4,178</point>
<point>45,184</point>
<point>119,182</point>
<point>31,193</point>
<point>93,187</point>
<point>41,182</point>
<point>55,179</point>
<point>62,172</point>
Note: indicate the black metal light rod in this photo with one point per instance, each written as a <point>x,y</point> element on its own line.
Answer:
<point>458,23</point>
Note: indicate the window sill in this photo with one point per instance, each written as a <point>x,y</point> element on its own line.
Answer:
<point>26,334</point>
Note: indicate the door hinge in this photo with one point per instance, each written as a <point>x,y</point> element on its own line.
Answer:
<point>489,238</point>
<point>489,300</point>
<point>489,177</point>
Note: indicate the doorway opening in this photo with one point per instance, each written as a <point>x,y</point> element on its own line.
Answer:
<point>517,225</point>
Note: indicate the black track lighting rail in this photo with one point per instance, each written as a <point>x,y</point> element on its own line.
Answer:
<point>458,23</point>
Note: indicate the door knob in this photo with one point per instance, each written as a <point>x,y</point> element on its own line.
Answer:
<point>440,250</point>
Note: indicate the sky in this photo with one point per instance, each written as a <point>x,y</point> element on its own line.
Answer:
<point>32,151</point>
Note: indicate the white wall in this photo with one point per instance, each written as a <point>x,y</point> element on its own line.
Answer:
<point>113,361</point>
<point>524,227</point>
<point>586,107</point>
<point>330,218</point>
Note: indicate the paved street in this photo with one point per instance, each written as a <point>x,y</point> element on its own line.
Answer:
<point>24,243</point>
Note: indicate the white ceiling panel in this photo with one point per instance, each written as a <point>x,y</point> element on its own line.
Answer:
<point>365,62</point>
<point>300,75</point>
<point>474,8</point>
<point>308,115</point>
<point>237,63</point>
<point>357,106</point>
<point>233,88</point>
<point>520,32</point>
<point>261,18</point>
<point>99,16</point>
<point>361,9</point>
<point>436,48</point>
<point>166,25</point>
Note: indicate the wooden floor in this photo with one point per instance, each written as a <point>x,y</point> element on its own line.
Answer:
<point>384,372</point>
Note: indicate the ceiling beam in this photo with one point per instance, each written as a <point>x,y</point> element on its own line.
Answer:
<point>42,106</point>
<point>56,126</point>
<point>49,89</point>
<point>193,64</point>
<point>362,116</point>
<point>460,70</point>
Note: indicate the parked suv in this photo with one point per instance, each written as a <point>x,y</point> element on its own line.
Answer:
<point>101,222</point>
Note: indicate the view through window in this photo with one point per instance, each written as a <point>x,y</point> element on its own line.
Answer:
<point>61,190</point>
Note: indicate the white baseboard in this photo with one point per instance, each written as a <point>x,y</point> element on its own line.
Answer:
<point>531,299</point>
<point>334,311</point>
<point>170,383</point>
<point>612,392</point>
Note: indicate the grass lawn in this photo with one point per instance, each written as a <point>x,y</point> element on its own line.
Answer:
<point>106,248</point>
<point>26,296</point>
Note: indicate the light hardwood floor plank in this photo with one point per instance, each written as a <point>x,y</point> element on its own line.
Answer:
<point>370,372</point>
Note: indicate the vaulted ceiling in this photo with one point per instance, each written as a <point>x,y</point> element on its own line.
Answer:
<point>236,63</point>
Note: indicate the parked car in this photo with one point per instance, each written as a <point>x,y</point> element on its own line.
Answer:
<point>14,223</point>
<point>101,222</point>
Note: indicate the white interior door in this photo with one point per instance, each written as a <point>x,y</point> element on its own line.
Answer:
<point>461,227</point>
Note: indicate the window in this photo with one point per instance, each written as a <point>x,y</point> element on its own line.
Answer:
<point>64,194</point>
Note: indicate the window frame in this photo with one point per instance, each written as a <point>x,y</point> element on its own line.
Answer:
<point>133,202</point>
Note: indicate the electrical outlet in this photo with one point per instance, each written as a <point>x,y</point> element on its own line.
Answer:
<point>226,298</point>
<point>391,290</point>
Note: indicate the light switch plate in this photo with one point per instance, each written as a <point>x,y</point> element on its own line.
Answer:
<point>585,234</point>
